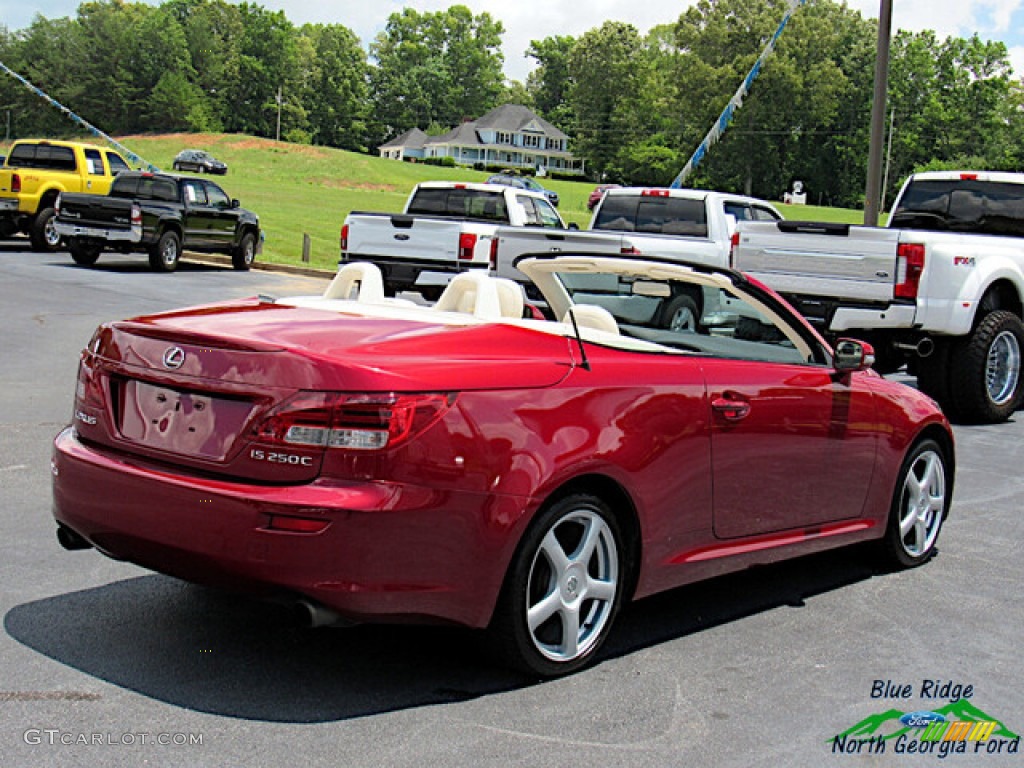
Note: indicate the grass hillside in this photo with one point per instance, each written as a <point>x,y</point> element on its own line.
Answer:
<point>299,189</point>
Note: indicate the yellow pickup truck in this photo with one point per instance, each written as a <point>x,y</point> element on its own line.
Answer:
<point>36,171</point>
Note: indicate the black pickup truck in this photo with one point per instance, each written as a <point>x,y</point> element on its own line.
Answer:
<point>160,214</point>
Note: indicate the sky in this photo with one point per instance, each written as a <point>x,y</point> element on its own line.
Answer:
<point>526,20</point>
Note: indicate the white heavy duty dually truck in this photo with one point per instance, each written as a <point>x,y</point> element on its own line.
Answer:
<point>938,289</point>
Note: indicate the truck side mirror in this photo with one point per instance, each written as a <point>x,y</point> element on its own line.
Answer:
<point>235,203</point>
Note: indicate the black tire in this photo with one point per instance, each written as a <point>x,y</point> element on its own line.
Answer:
<point>934,379</point>
<point>985,369</point>
<point>165,255</point>
<point>245,253</point>
<point>582,591</point>
<point>680,313</point>
<point>920,504</point>
<point>83,254</point>
<point>41,233</point>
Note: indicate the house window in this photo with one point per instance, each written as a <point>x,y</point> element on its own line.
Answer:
<point>555,144</point>
<point>504,138</point>
<point>531,141</point>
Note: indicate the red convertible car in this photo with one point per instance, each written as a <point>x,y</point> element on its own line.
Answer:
<point>476,464</point>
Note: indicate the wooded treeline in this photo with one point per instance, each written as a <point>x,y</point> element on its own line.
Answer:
<point>635,105</point>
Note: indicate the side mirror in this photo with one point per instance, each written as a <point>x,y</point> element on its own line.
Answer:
<point>235,203</point>
<point>852,355</point>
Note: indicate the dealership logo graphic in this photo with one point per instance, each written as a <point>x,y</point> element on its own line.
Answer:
<point>955,728</point>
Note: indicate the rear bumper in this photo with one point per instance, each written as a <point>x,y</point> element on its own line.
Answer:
<point>388,552</point>
<point>132,235</point>
<point>8,207</point>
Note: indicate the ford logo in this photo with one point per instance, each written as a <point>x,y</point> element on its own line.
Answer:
<point>174,357</point>
<point>921,719</point>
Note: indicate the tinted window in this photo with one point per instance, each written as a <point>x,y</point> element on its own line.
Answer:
<point>124,186</point>
<point>94,163</point>
<point>218,197</point>
<point>460,203</point>
<point>764,214</point>
<point>962,205</point>
<point>195,193</point>
<point>740,210</point>
<point>657,215</point>
<point>43,156</point>
<point>547,214</point>
<point>117,165</point>
<point>156,188</point>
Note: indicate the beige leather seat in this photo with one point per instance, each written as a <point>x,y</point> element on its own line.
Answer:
<point>472,293</point>
<point>358,281</point>
<point>592,316</point>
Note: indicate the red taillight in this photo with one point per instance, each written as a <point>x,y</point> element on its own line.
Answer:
<point>136,216</point>
<point>654,193</point>
<point>467,244</point>
<point>630,250</point>
<point>734,243</point>
<point>494,253</point>
<point>15,182</point>
<point>909,266</point>
<point>355,422</point>
<point>344,238</point>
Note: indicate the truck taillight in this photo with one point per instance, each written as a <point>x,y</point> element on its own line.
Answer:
<point>734,243</point>
<point>909,266</point>
<point>630,250</point>
<point>343,240</point>
<point>15,182</point>
<point>467,244</point>
<point>136,216</point>
<point>494,254</point>
<point>354,422</point>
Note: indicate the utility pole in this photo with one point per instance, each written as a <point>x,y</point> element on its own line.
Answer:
<point>278,136</point>
<point>873,193</point>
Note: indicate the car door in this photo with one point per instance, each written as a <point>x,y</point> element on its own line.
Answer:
<point>793,443</point>
<point>198,216</point>
<point>223,217</point>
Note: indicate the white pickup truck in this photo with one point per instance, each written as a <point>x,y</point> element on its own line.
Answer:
<point>682,225</point>
<point>447,227</point>
<point>939,288</point>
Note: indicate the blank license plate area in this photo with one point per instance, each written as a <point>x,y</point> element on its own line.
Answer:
<point>182,422</point>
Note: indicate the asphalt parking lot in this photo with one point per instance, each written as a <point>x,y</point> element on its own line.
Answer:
<point>105,664</point>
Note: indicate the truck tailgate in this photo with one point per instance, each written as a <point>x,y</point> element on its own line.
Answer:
<point>513,242</point>
<point>99,211</point>
<point>402,237</point>
<point>817,259</point>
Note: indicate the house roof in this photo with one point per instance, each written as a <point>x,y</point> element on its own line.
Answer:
<point>411,139</point>
<point>512,118</point>
<point>464,135</point>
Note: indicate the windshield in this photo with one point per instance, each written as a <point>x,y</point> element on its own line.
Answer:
<point>703,319</point>
<point>962,205</point>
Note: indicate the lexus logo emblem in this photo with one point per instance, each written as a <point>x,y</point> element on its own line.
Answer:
<point>174,357</point>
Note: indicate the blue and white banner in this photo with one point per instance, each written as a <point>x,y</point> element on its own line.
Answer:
<point>132,157</point>
<point>735,102</point>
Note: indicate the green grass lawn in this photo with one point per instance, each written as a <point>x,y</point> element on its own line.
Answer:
<point>298,189</point>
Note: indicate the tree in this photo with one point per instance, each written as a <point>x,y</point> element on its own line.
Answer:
<point>336,93</point>
<point>606,70</point>
<point>549,83</point>
<point>435,67</point>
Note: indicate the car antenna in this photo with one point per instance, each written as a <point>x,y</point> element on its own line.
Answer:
<point>584,364</point>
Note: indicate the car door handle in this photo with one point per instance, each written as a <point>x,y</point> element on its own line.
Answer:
<point>732,410</point>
